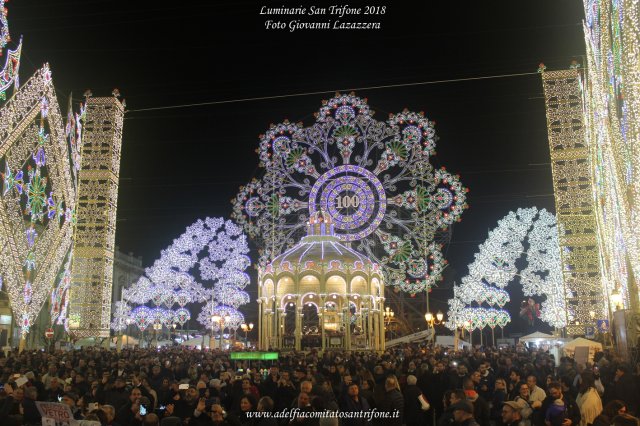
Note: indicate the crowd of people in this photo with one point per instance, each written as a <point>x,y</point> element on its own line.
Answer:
<point>412,385</point>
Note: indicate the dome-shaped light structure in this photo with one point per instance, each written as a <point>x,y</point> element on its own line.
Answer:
<point>321,293</point>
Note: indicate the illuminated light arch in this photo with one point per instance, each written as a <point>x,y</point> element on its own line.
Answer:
<point>216,250</point>
<point>494,267</point>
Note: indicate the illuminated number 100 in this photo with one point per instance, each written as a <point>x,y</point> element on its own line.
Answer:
<point>346,201</point>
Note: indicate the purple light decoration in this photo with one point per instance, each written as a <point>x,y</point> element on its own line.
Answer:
<point>361,183</point>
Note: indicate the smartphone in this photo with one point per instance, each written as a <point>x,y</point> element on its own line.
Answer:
<point>143,410</point>
<point>162,407</point>
<point>183,386</point>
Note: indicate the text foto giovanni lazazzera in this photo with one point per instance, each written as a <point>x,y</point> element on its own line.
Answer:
<point>340,17</point>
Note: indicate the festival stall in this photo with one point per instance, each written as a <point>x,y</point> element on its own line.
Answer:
<point>578,346</point>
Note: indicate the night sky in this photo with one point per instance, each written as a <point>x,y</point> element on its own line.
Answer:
<point>181,164</point>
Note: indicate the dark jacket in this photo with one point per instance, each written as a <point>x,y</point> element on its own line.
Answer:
<point>125,416</point>
<point>601,420</point>
<point>499,396</point>
<point>349,405</point>
<point>624,389</point>
<point>446,418</point>
<point>31,414</point>
<point>393,403</point>
<point>413,413</point>
<point>481,411</point>
<point>469,422</point>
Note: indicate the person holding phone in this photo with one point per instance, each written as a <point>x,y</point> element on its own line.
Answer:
<point>128,413</point>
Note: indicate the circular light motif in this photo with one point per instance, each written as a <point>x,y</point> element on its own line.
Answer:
<point>443,198</point>
<point>353,197</point>
<point>254,206</point>
<point>345,113</point>
<point>412,134</point>
<point>281,145</point>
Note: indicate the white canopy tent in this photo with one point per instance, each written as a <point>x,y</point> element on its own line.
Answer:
<point>126,340</point>
<point>537,337</point>
<point>196,341</point>
<point>449,342</point>
<point>570,347</point>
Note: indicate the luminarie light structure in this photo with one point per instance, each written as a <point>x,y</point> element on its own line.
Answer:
<point>212,249</point>
<point>496,265</point>
<point>575,205</point>
<point>94,237</point>
<point>38,198</point>
<point>611,93</point>
<point>374,178</point>
<point>321,293</point>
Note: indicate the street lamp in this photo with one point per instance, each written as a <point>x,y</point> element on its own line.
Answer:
<point>128,321</point>
<point>216,319</point>
<point>433,321</point>
<point>226,319</point>
<point>156,327</point>
<point>246,328</point>
<point>616,298</point>
<point>388,315</point>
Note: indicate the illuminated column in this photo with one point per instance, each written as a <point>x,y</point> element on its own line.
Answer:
<point>370,340</point>
<point>90,296</point>
<point>322,320</point>
<point>298,331</point>
<point>376,330</point>
<point>279,327</point>
<point>575,208</point>
<point>260,330</point>
<point>381,329</point>
<point>347,326</point>
<point>272,321</point>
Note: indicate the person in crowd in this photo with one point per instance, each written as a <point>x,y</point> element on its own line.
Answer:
<point>170,382</point>
<point>393,403</point>
<point>286,392</point>
<point>536,393</point>
<point>414,410</point>
<point>610,410</point>
<point>352,402</point>
<point>71,400</point>
<point>556,413</point>
<point>511,414</point>
<point>624,388</point>
<point>481,411</point>
<point>248,404</point>
<point>515,381</point>
<point>265,407</point>
<point>463,413</point>
<point>570,408</point>
<point>625,419</point>
<point>499,396</point>
<point>588,399</point>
